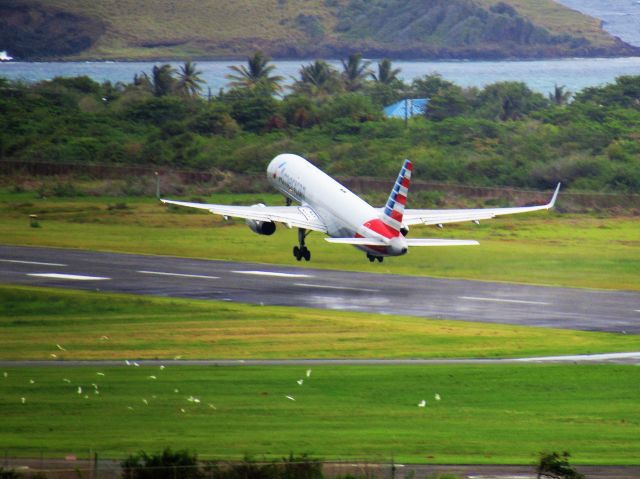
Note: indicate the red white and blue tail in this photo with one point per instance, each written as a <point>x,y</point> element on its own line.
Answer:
<point>394,209</point>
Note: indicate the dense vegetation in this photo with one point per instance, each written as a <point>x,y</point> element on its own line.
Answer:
<point>129,29</point>
<point>503,134</point>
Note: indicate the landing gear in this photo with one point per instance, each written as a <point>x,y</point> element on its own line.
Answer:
<point>302,251</point>
<point>372,258</point>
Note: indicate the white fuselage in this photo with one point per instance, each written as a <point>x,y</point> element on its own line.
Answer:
<point>345,214</point>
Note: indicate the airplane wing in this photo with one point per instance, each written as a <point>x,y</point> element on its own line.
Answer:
<point>437,217</point>
<point>291,216</point>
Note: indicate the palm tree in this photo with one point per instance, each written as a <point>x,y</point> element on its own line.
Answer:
<point>143,81</point>
<point>317,79</point>
<point>189,80</point>
<point>386,75</point>
<point>354,72</point>
<point>257,74</point>
<point>560,96</point>
<point>162,79</point>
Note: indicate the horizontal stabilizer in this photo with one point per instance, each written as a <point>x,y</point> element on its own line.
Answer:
<point>439,242</point>
<point>357,241</point>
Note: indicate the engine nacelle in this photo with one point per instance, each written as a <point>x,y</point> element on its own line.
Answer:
<point>266,228</point>
<point>262,227</point>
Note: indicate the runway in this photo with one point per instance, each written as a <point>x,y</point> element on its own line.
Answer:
<point>608,358</point>
<point>567,308</point>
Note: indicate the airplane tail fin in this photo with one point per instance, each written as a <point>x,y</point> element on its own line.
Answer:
<point>394,209</point>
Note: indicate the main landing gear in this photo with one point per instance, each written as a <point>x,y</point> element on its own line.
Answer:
<point>372,258</point>
<point>302,251</point>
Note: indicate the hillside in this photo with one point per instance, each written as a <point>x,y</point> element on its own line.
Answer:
<point>149,29</point>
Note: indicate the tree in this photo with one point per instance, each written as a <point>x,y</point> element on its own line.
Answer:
<point>189,80</point>
<point>386,75</point>
<point>162,80</point>
<point>556,466</point>
<point>560,96</point>
<point>355,72</point>
<point>256,74</point>
<point>429,85</point>
<point>509,101</point>
<point>317,79</point>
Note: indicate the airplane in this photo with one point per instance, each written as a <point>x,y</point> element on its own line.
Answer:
<point>328,207</point>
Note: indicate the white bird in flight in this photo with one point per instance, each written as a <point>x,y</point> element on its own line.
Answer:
<point>290,398</point>
<point>437,396</point>
<point>60,347</point>
<point>422,403</point>
<point>308,373</point>
<point>300,381</point>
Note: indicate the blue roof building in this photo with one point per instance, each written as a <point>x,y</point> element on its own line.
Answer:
<point>407,108</point>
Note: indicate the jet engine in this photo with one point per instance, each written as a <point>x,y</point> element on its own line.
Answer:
<point>266,228</point>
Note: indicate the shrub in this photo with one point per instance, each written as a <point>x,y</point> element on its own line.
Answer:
<point>166,465</point>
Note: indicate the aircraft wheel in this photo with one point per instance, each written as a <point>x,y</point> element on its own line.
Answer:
<point>371,258</point>
<point>306,254</point>
<point>380,258</point>
<point>297,254</point>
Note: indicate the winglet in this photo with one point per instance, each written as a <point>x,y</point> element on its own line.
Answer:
<point>555,196</point>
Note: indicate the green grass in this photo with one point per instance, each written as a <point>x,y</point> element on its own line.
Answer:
<point>487,414</point>
<point>540,248</point>
<point>34,320</point>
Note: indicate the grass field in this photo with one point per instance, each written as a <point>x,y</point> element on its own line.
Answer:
<point>493,414</point>
<point>487,414</point>
<point>33,321</point>
<point>540,248</point>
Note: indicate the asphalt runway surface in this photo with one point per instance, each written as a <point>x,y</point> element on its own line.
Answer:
<point>568,308</point>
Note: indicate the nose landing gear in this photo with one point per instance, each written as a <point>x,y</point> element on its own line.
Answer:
<point>302,251</point>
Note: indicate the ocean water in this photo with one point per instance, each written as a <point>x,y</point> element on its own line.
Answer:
<point>540,75</point>
<point>621,18</point>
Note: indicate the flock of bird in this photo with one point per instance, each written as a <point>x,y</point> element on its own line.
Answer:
<point>190,399</point>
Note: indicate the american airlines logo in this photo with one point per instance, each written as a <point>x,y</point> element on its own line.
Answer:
<point>293,185</point>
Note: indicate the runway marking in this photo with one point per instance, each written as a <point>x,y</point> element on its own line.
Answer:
<point>181,275</point>
<point>30,262</point>
<point>274,273</point>
<point>344,288</point>
<point>77,277</point>
<point>498,300</point>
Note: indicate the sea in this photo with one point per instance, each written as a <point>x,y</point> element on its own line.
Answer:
<point>574,74</point>
<point>621,18</point>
